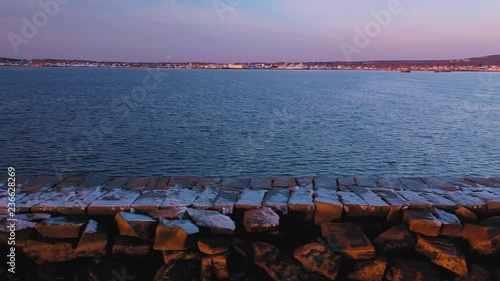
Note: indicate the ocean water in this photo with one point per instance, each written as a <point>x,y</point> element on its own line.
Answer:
<point>89,121</point>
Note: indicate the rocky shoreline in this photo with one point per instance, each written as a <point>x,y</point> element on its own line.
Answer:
<point>282,228</point>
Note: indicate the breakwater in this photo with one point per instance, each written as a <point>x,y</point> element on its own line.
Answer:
<point>281,228</point>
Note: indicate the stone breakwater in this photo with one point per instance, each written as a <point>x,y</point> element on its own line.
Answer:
<point>282,228</point>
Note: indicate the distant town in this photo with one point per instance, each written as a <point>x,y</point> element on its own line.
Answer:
<point>479,64</point>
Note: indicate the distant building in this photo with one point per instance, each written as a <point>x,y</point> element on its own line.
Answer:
<point>235,66</point>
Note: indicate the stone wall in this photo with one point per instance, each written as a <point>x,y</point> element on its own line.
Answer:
<point>284,228</point>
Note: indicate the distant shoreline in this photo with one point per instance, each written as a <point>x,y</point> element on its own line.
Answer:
<point>271,69</point>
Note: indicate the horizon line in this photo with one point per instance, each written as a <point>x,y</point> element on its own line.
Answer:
<point>247,62</point>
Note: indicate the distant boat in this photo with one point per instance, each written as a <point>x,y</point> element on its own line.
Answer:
<point>405,71</point>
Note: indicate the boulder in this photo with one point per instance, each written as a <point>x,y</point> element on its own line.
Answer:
<point>45,250</point>
<point>176,213</point>
<point>35,217</point>
<point>23,230</point>
<point>466,215</point>
<point>261,220</point>
<point>170,257</point>
<point>482,239</point>
<point>451,225</point>
<point>213,245</point>
<point>318,258</point>
<point>443,253</point>
<point>412,270</point>
<point>370,270</point>
<point>396,239</point>
<point>277,265</point>
<point>61,227</point>
<point>476,273</point>
<point>212,221</point>
<point>214,267</point>
<point>93,241</point>
<point>135,225</point>
<point>176,271</point>
<point>131,246</point>
<point>423,222</point>
<point>348,239</point>
<point>175,235</point>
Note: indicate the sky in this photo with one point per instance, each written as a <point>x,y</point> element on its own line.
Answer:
<point>248,30</point>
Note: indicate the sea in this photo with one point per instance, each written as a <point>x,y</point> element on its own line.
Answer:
<point>183,122</point>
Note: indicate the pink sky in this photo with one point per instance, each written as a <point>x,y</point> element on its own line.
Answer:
<point>250,30</point>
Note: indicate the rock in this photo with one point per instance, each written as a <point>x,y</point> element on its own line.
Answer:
<point>93,242</point>
<point>78,204</point>
<point>476,273</point>
<point>327,206</point>
<point>170,257</point>
<point>148,201</point>
<point>61,227</point>
<point>328,183</point>
<point>116,183</point>
<point>396,239</point>
<point>301,205</point>
<point>492,222</point>
<point>46,250</point>
<point>461,198</point>
<point>412,270</point>
<point>443,253</point>
<point>277,199</point>
<point>176,271</point>
<point>131,246</point>
<point>41,183</point>
<point>207,198</point>
<point>113,202</point>
<point>226,199</point>
<point>466,215</point>
<point>348,239</point>
<point>250,199</point>
<point>261,220</point>
<point>483,240</point>
<point>178,196</point>
<point>371,270</point>
<point>185,181</point>
<point>137,183</point>
<point>135,225</point>
<point>284,182</point>
<point>241,183</point>
<point>176,213</point>
<point>451,225</point>
<point>416,199</point>
<point>277,265</point>
<point>396,203</point>
<point>212,221</point>
<point>213,245</point>
<point>35,217</point>
<point>175,235</point>
<point>366,182</point>
<point>208,181</point>
<point>423,222</point>
<point>261,183</point>
<point>319,258</point>
<point>377,206</point>
<point>214,266</point>
<point>305,180</point>
<point>354,206</point>
<point>23,230</point>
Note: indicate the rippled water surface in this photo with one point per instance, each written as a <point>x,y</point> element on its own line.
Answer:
<point>251,122</point>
